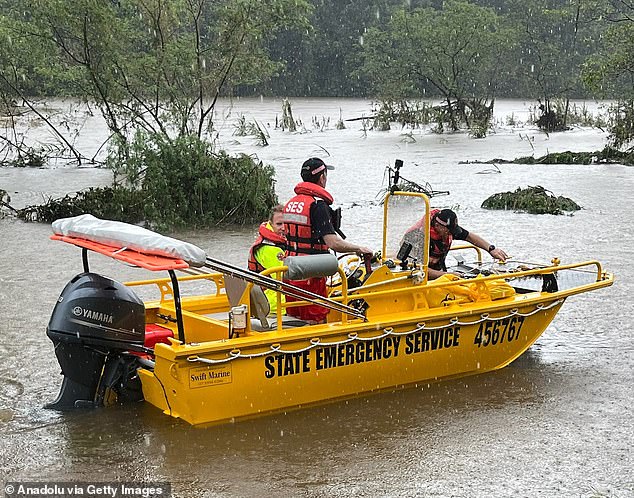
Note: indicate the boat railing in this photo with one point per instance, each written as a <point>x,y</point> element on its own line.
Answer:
<point>165,288</point>
<point>193,312</point>
<point>277,273</point>
<point>421,286</point>
<point>462,247</point>
<point>381,289</point>
<point>385,289</point>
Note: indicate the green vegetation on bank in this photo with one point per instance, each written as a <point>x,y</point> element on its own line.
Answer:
<point>178,184</point>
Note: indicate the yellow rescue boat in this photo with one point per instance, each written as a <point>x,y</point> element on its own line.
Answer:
<point>215,356</point>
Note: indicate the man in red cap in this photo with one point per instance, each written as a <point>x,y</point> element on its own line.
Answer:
<point>312,228</point>
<point>443,229</point>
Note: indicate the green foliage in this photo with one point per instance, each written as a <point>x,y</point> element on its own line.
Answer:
<point>173,184</point>
<point>155,71</point>
<point>606,155</point>
<point>453,52</point>
<point>112,203</point>
<point>610,70</point>
<point>27,65</point>
<point>186,184</point>
<point>156,66</point>
<point>322,61</point>
<point>534,200</point>
<point>622,128</point>
<point>160,66</point>
<point>406,113</point>
<point>547,34</point>
<point>154,51</point>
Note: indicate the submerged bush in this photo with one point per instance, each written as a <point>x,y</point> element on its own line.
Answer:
<point>177,183</point>
<point>534,200</point>
<point>112,203</point>
<point>187,184</point>
<point>608,155</point>
<point>622,128</point>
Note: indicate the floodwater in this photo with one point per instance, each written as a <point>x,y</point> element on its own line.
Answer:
<point>556,422</point>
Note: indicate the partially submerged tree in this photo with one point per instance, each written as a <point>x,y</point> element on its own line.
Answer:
<point>28,66</point>
<point>612,68</point>
<point>555,37</point>
<point>155,67</point>
<point>454,52</point>
<point>161,65</point>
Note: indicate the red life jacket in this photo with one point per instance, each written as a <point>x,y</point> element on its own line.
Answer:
<point>297,220</point>
<point>266,237</point>
<point>438,246</point>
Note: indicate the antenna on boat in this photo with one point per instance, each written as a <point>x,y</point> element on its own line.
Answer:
<point>398,164</point>
<point>398,182</point>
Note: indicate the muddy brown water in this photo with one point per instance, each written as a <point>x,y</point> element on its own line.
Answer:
<point>556,422</point>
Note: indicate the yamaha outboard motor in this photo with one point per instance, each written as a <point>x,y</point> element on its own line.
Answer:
<point>95,325</point>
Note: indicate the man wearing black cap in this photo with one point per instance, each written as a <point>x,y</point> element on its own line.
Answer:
<point>443,229</point>
<point>311,229</point>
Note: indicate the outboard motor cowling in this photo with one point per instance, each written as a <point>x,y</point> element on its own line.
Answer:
<point>94,325</point>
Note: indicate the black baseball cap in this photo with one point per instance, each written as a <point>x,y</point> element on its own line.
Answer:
<point>313,167</point>
<point>447,218</point>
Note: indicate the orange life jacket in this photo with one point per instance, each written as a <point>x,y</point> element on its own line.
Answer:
<point>267,237</point>
<point>299,231</point>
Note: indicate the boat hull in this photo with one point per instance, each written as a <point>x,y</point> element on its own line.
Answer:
<point>279,371</point>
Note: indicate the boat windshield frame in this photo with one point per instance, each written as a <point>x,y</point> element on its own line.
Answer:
<point>425,263</point>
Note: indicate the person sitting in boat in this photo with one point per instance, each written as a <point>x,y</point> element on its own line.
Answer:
<point>443,229</point>
<point>269,249</point>
<point>312,227</point>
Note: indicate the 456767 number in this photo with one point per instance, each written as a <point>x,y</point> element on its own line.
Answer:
<point>498,331</point>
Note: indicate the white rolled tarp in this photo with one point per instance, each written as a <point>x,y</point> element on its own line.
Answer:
<point>123,235</point>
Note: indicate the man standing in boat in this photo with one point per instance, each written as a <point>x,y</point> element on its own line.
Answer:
<point>443,229</point>
<point>269,249</point>
<point>312,228</point>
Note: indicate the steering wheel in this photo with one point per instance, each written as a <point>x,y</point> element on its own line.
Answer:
<point>349,263</point>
